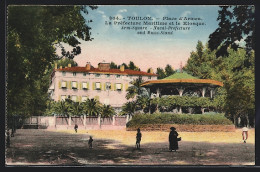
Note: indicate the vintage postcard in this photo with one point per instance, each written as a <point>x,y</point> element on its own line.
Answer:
<point>132,85</point>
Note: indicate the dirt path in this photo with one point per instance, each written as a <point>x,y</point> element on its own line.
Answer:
<point>43,147</point>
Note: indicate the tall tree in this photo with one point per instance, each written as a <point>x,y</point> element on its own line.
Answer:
<point>65,61</point>
<point>113,65</point>
<point>201,62</point>
<point>169,70</point>
<point>160,72</point>
<point>132,66</point>
<point>236,98</point>
<point>34,35</point>
<point>236,24</point>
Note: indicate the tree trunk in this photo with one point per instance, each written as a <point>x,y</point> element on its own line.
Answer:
<point>235,121</point>
<point>202,110</point>
<point>247,121</point>
<point>180,110</point>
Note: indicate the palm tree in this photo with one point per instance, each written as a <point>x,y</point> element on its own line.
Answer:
<point>140,93</point>
<point>62,107</point>
<point>75,109</point>
<point>129,108</point>
<point>107,111</point>
<point>142,102</point>
<point>135,89</point>
<point>92,107</point>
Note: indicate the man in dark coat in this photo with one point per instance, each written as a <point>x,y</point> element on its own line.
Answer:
<point>138,138</point>
<point>173,139</point>
<point>76,128</point>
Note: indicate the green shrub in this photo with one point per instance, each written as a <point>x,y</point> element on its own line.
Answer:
<point>167,118</point>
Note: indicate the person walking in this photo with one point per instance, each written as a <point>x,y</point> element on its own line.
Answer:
<point>173,140</point>
<point>138,138</point>
<point>245,133</point>
<point>76,128</point>
<point>90,142</point>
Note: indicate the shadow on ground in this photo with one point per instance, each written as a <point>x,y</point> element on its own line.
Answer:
<point>43,147</point>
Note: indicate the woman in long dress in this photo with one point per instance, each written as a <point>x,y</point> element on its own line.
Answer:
<point>173,139</point>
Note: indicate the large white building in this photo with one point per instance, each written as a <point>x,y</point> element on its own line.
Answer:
<point>107,85</point>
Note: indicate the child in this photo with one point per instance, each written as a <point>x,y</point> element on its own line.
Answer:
<point>138,138</point>
<point>90,142</point>
<point>245,133</point>
<point>76,128</point>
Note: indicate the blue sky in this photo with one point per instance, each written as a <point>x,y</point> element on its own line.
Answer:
<point>113,44</point>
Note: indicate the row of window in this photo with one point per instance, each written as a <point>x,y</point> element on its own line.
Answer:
<point>95,85</point>
<point>97,75</point>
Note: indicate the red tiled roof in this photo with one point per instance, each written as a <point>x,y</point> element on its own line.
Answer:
<point>110,71</point>
<point>195,81</point>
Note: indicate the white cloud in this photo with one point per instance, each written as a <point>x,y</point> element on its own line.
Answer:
<point>122,11</point>
<point>160,12</point>
<point>101,12</point>
<point>185,13</point>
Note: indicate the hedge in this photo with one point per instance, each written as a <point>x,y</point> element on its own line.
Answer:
<point>167,118</point>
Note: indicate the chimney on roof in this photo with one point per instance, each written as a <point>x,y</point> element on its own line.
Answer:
<point>88,66</point>
<point>151,70</point>
<point>103,66</point>
<point>122,68</point>
<point>56,66</point>
<point>69,65</point>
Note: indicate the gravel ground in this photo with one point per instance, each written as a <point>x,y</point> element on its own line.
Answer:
<point>44,147</point>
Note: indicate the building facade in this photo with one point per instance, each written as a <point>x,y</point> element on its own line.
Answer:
<point>102,83</point>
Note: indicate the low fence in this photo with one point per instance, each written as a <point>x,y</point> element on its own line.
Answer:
<point>83,122</point>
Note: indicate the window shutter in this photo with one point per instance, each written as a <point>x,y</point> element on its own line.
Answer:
<point>59,84</point>
<point>114,87</point>
<point>93,85</point>
<point>77,98</point>
<point>105,87</point>
<point>122,87</point>
<point>101,88</point>
<point>80,99</point>
<point>77,85</point>
<point>59,98</point>
<point>68,84</point>
<point>126,86</point>
<point>88,85</point>
<point>80,85</point>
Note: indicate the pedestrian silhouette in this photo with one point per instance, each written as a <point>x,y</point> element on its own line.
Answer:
<point>138,138</point>
<point>245,133</point>
<point>173,140</point>
<point>76,128</point>
<point>90,142</point>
